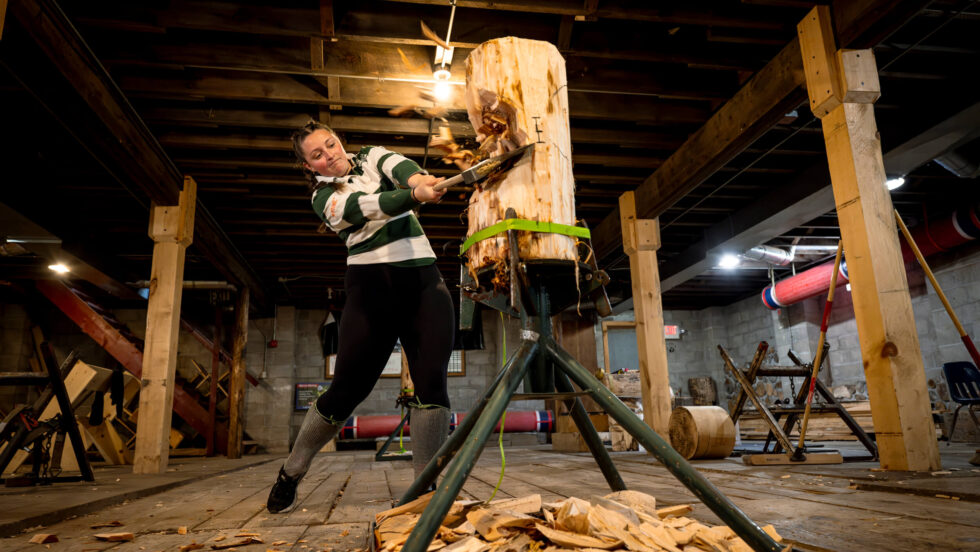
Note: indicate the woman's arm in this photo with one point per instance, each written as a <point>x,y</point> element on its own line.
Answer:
<point>395,166</point>
<point>342,209</point>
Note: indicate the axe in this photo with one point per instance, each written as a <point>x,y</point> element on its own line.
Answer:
<point>487,167</point>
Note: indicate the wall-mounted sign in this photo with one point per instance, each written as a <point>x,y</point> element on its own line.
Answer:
<point>306,394</point>
<point>672,332</point>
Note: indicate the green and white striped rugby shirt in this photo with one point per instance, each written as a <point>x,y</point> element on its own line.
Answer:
<point>372,210</point>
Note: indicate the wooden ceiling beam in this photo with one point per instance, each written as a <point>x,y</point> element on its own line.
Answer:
<point>146,166</point>
<point>742,18</point>
<point>218,117</point>
<point>364,24</point>
<point>772,92</point>
<point>387,94</point>
<point>388,62</point>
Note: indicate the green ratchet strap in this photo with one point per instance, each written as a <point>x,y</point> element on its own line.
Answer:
<point>521,224</point>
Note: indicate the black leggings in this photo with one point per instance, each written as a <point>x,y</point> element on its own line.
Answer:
<point>385,303</point>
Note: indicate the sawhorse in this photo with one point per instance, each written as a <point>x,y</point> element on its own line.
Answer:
<point>30,432</point>
<point>771,415</point>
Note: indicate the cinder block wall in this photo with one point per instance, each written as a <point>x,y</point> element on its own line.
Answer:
<point>270,417</point>
<point>16,348</point>
<point>271,421</point>
<point>740,326</point>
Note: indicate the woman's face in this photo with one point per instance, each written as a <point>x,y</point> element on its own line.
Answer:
<point>324,154</point>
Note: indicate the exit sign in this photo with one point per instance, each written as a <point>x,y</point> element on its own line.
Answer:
<point>672,332</point>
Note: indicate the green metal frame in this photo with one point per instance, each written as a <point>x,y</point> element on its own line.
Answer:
<point>382,454</point>
<point>545,367</point>
<point>460,452</point>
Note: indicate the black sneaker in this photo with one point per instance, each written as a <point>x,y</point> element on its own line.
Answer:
<point>282,497</point>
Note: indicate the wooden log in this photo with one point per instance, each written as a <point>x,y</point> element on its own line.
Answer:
<point>702,432</point>
<point>516,94</point>
<point>172,230</point>
<point>236,385</point>
<point>882,306</point>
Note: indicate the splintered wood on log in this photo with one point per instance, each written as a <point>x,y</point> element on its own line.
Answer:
<point>516,94</point>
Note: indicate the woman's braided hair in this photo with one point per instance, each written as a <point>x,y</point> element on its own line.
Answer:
<point>298,136</point>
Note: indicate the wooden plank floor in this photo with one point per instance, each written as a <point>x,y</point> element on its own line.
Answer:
<point>840,508</point>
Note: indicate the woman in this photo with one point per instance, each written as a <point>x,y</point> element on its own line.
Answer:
<point>394,291</point>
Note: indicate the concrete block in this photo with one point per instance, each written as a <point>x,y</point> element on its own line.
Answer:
<point>848,373</point>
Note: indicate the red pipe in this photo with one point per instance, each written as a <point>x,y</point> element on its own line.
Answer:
<point>366,427</point>
<point>932,237</point>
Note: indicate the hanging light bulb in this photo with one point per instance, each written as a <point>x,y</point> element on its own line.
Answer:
<point>441,90</point>
<point>443,62</point>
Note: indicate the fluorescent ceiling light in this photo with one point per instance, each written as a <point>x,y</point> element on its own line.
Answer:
<point>893,183</point>
<point>729,261</point>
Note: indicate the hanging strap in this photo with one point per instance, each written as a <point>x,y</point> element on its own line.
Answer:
<point>521,224</point>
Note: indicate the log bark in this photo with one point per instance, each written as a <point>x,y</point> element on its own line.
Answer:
<point>516,94</point>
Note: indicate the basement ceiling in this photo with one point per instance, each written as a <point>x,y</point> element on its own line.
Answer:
<point>219,87</point>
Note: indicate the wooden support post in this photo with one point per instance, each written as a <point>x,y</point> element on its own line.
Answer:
<point>172,230</point>
<point>215,376</point>
<point>326,20</point>
<point>3,13</point>
<point>641,240</point>
<point>882,307</point>
<point>236,383</point>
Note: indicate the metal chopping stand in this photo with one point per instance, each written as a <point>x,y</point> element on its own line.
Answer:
<point>538,290</point>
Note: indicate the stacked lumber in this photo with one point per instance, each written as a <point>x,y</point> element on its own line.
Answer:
<point>821,427</point>
<point>623,520</point>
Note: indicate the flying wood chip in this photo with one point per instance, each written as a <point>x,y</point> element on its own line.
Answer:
<point>243,542</point>
<point>115,537</point>
<point>433,36</point>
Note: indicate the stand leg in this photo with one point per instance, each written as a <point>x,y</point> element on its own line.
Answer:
<point>382,453</point>
<point>462,464</point>
<point>448,449</point>
<point>753,535</point>
<point>588,432</point>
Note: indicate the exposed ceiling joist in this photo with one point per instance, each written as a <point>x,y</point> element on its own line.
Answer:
<point>148,166</point>
<point>771,93</point>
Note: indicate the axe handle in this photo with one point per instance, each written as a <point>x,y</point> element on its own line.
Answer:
<point>449,182</point>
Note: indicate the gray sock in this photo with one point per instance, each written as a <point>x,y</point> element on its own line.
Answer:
<point>313,434</point>
<point>430,428</point>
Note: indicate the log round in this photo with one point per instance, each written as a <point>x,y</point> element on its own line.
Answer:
<point>517,94</point>
<point>701,432</point>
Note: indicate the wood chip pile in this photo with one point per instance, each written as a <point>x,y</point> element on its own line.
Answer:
<point>623,520</point>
